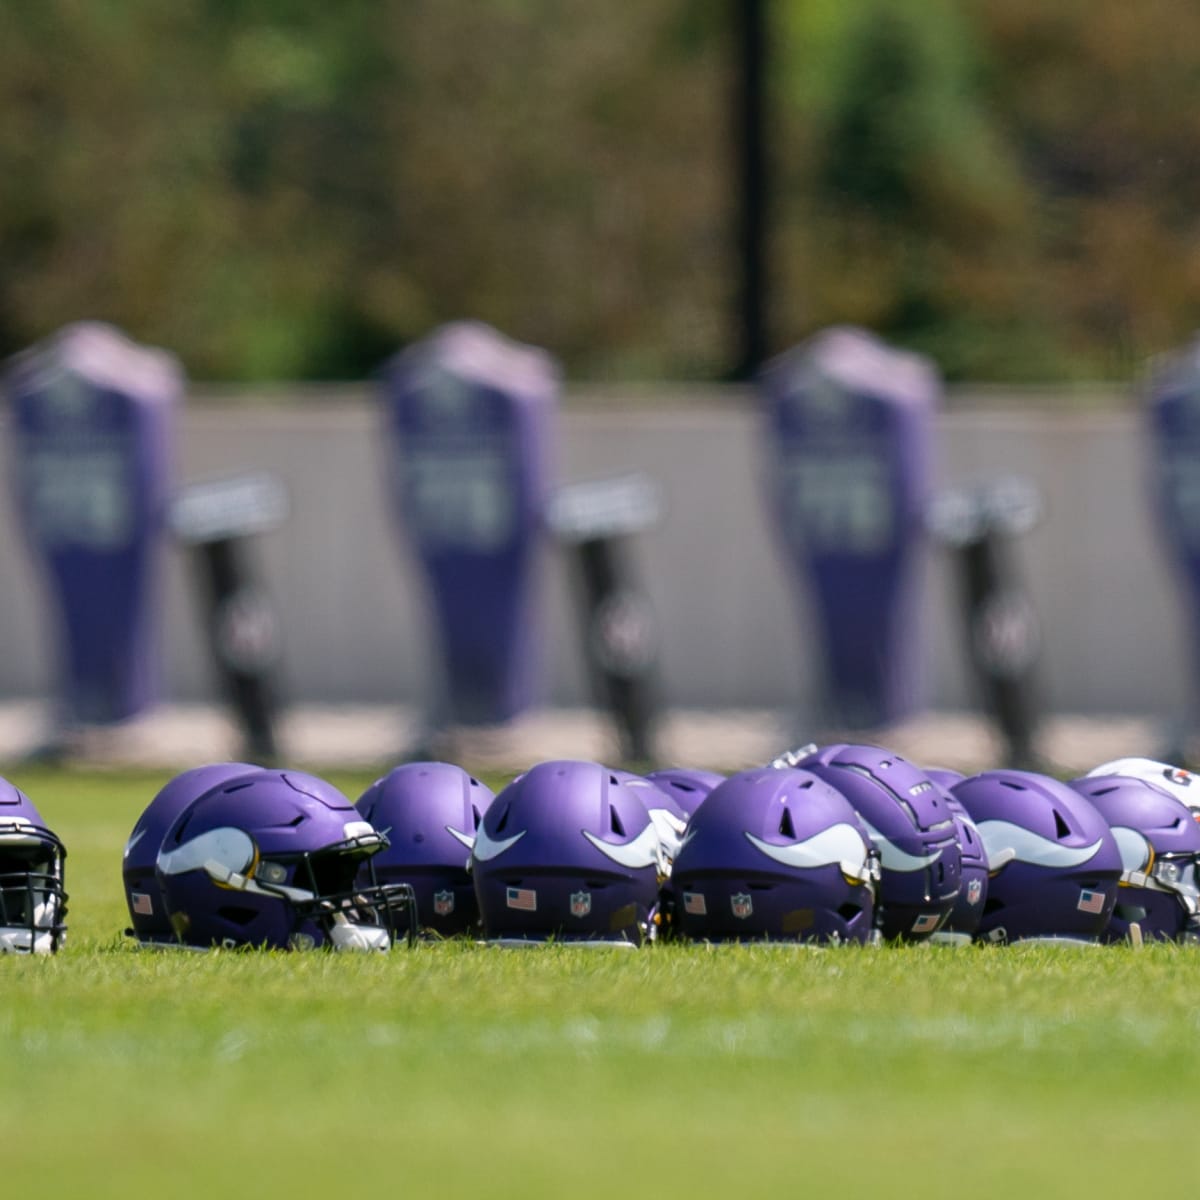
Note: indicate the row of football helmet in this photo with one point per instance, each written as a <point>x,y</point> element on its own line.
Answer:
<point>1000,856</point>
<point>831,844</point>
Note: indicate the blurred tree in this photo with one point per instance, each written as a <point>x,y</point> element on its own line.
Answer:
<point>908,215</point>
<point>1102,100</point>
<point>294,189</point>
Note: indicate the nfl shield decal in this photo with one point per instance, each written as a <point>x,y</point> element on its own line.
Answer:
<point>741,904</point>
<point>974,891</point>
<point>581,904</point>
<point>443,903</point>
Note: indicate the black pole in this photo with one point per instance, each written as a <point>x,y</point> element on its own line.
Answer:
<point>750,35</point>
<point>619,645</point>
<point>241,633</point>
<point>1002,639</point>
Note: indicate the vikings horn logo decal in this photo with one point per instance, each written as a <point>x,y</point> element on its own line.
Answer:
<point>1003,841</point>
<point>892,857</point>
<point>486,848</point>
<point>643,851</point>
<point>1135,849</point>
<point>840,844</point>
<point>467,839</point>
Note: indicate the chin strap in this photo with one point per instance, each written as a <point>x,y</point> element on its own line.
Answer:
<point>20,940</point>
<point>346,936</point>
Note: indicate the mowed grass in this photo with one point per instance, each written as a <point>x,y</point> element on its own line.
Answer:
<point>455,1070</point>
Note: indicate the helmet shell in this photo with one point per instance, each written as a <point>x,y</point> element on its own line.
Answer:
<point>1053,862</point>
<point>944,777</point>
<point>1159,841</point>
<point>669,816</point>
<point>33,897</point>
<point>567,851</point>
<point>912,827</point>
<point>270,859</point>
<point>1184,785</point>
<point>429,812</point>
<point>687,786</point>
<point>972,895</point>
<point>775,854</point>
<point>147,913</point>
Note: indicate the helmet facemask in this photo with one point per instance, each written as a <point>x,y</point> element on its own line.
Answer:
<point>33,902</point>
<point>326,888</point>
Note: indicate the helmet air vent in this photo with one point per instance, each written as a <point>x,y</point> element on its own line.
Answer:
<point>502,824</point>
<point>614,822</point>
<point>476,815</point>
<point>1061,828</point>
<point>786,828</point>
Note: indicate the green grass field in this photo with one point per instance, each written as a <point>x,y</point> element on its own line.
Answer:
<point>454,1070</point>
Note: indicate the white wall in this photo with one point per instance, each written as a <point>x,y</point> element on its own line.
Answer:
<point>351,601</point>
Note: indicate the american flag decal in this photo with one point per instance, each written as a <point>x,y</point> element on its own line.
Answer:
<point>524,899</point>
<point>143,905</point>
<point>1090,902</point>
<point>926,923</point>
<point>693,902</point>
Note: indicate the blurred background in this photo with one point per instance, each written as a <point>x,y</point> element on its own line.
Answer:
<point>662,197</point>
<point>286,192</point>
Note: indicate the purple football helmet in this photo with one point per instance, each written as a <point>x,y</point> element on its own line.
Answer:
<point>1053,861</point>
<point>1184,785</point>
<point>669,816</point>
<point>429,812</point>
<point>33,900</point>
<point>147,913</point>
<point>944,777</point>
<point>968,909</point>
<point>1159,841</point>
<point>271,859</point>
<point>912,827</point>
<point>567,851</point>
<point>687,786</point>
<point>775,854</point>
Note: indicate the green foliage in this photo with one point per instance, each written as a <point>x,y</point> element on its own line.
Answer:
<point>456,1070</point>
<point>295,190</point>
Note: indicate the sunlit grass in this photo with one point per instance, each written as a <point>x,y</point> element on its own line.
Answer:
<point>459,1070</point>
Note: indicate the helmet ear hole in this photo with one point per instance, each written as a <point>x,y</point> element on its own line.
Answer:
<point>236,914</point>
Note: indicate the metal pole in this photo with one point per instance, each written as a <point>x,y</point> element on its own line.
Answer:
<point>750,35</point>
